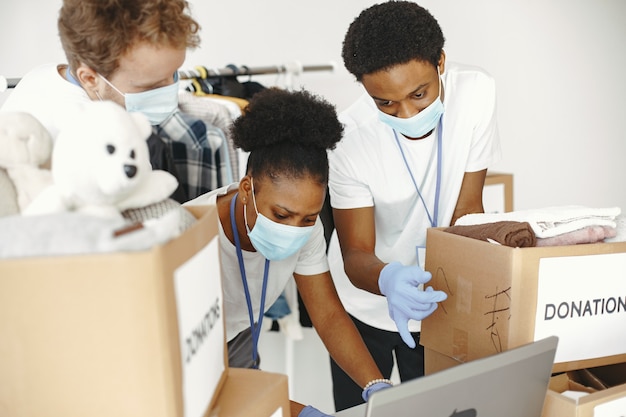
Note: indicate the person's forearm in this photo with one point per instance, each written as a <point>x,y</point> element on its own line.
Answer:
<point>346,347</point>
<point>363,269</point>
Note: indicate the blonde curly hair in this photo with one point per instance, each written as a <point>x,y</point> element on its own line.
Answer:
<point>98,32</point>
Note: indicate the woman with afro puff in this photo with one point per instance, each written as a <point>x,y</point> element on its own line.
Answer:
<point>270,231</point>
<point>414,155</point>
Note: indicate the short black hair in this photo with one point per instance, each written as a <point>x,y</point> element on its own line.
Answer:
<point>287,133</point>
<point>391,33</point>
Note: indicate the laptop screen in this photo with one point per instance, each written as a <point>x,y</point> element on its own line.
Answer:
<point>512,384</point>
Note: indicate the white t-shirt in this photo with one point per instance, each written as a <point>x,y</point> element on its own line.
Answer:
<point>45,94</point>
<point>367,169</point>
<point>310,260</point>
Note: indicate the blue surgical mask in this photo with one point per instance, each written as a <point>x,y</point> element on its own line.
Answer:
<point>420,124</point>
<point>275,241</point>
<point>156,104</point>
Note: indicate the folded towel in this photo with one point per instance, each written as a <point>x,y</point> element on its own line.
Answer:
<point>550,221</point>
<point>591,234</point>
<point>620,230</point>
<point>508,233</point>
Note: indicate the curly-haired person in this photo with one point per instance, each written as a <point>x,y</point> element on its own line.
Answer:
<point>414,155</point>
<point>124,51</point>
<point>127,52</point>
<point>270,232</point>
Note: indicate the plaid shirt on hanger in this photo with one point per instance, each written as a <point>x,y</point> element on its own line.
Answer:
<point>196,153</point>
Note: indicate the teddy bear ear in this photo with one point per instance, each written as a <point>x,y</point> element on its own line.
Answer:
<point>142,123</point>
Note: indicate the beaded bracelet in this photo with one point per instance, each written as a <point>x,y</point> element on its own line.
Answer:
<point>376,381</point>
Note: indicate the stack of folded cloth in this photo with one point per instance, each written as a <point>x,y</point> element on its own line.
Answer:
<point>552,226</point>
<point>507,233</point>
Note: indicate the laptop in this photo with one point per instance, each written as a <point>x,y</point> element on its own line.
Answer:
<point>512,384</point>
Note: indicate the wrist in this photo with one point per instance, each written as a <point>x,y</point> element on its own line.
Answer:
<point>376,381</point>
<point>375,385</point>
<point>385,274</point>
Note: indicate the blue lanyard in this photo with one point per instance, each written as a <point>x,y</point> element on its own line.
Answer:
<point>256,330</point>
<point>434,218</point>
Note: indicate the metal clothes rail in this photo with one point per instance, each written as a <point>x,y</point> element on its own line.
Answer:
<point>291,68</point>
<point>294,67</point>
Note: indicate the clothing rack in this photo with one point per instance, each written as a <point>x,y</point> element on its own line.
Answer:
<point>291,68</point>
<point>294,67</point>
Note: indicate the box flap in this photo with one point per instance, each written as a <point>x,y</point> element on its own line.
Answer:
<point>475,288</point>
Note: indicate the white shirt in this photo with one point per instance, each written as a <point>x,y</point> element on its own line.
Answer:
<point>45,94</point>
<point>310,260</point>
<point>367,169</point>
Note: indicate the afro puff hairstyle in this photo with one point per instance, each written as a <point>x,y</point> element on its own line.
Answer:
<point>287,134</point>
<point>391,33</point>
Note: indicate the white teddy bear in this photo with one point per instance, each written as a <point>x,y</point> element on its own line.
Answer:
<point>100,165</point>
<point>25,148</point>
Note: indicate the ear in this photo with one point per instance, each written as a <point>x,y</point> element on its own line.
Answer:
<point>87,77</point>
<point>245,189</point>
<point>442,62</point>
<point>90,81</point>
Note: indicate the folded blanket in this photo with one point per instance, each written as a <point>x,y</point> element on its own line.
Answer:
<point>620,230</point>
<point>591,234</point>
<point>550,221</point>
<point>508,233</point>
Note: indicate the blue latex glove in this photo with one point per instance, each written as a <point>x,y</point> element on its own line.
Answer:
<point>399,284</point>
<point>373,388</point>
<point>309,411</point>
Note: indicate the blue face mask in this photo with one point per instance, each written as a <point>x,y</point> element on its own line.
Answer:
<point>420,124</point>
<point>156,104</point>
<point>273,240</point>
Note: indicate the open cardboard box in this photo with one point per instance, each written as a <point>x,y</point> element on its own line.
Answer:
<point>594,392</point>
<point>250,392</point>
<point>108,334</point>
<point>498,192</point>
<point>501,297</point>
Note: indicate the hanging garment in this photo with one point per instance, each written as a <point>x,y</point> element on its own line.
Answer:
<point>196,153</point>
<point>224,85</point>
<point>212,113</point>
<point>161,158</point>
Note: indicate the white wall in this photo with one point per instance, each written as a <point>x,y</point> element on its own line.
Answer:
<point>558,65</point>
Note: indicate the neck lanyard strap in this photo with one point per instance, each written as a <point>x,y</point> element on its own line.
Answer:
<point>256,329</point>
<point>435,217</point>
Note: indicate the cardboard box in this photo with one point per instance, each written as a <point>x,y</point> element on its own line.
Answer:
<point>105,334</point>
<point>498,192</point>
<point>501,297</point>
<point>250,392</point>
<point>598,392</point>
<point>435,361</point>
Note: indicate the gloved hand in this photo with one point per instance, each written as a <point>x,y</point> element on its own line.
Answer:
<point>309,411</point>
<point>373,388</point>
<point>399,284</point>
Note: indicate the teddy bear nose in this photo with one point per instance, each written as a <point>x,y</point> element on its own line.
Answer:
<point>130,170</point>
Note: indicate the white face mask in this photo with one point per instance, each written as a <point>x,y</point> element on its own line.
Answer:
<point>156,104</point>
<point>420,124</point>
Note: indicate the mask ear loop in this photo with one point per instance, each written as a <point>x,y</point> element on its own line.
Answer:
<point>253,197</point>
<point>440,82</point>
<point>245,216</point>
<point>111,85</point>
